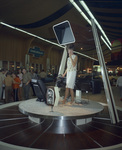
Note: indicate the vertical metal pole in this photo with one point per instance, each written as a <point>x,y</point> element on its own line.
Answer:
<point>8,65</point>
<point>47,64</point>
<point>61,71</point>
<point>27,61</point>
<point>63,62</point>
<point>15,65</point>
<point>20,64</point>
<point>1,64</point>
<point>108,91</point>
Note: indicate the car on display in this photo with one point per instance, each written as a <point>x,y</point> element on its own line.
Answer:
<point>84,83</point>
<point>113,79</point>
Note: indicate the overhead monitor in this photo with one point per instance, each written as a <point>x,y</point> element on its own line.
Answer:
<point>64,33</point>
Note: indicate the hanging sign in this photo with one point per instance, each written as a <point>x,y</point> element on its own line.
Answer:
<point>36,52</point>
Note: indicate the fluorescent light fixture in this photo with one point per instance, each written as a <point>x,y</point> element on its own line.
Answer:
<point>105,42</point>
<point>28,33</point>
<point>90,14</point>
<point>85,56</point>
<point>80,11</point>
<point>40,38</point>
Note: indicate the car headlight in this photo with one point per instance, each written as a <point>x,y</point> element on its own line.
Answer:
<point>50,96</point>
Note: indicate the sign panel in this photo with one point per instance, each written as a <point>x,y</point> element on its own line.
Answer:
<point>64,33</point>
<point>36,52</point>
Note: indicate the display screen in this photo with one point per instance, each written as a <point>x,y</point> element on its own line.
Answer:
<point>64,33</point>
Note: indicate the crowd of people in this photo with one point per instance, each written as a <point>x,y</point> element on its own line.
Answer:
<point>16,85</point>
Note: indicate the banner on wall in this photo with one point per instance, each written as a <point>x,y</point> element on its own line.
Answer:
<point>116,50</point>
<point>36,52</point>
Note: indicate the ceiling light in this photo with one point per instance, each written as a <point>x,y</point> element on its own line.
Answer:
<point>33,35</point>
<point>105,42</point>
<point>86,56</point>
<point>80,11</point>
<point>90,14</point>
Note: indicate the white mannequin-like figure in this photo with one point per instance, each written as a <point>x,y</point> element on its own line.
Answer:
<point>70,73</point>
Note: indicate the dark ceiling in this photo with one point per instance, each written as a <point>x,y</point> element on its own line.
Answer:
<point>109,15</point>
<point>39,16</point>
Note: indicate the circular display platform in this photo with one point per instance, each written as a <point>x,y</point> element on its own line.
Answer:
<point>76,111</point>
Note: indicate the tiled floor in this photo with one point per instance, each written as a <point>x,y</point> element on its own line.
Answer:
<point>101,126</point>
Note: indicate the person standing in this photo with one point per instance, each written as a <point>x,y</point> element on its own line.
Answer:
<point>43,75</point>
<point>15,86</point>
<point>119,84</point>
<point>2,77</point>
<point>26,83</point>
<point>70,73</point>
<point>20,75</point>
<point>33,74</point>
<point>8,81</point>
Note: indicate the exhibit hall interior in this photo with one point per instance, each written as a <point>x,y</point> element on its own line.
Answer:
<point>60,75</point>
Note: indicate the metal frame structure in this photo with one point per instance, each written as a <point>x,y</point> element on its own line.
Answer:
<point>108,91</point>
<point>63,62</point>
